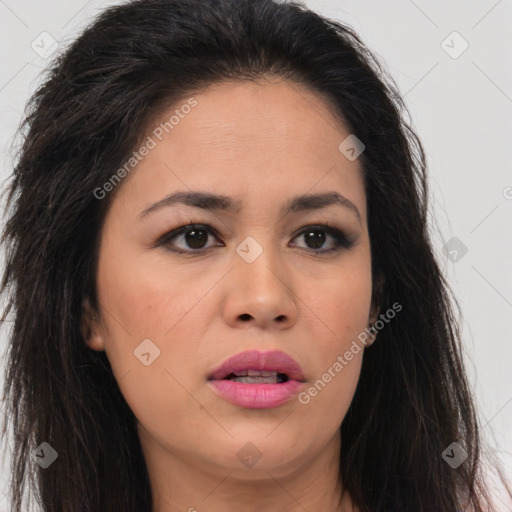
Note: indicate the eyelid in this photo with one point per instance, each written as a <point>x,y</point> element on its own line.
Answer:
<point>343,240</point>
<point>183,228</point>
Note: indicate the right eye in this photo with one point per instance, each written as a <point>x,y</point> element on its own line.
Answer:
<point>192,236</point>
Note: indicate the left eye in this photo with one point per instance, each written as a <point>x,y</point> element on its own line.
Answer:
<point>316,235</point>
<point>195,236</point>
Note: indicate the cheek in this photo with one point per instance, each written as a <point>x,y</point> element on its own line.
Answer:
<point>144,299</point>
<point>339,309</point>
<point>329,394</point>
<point>144,321</point>
<point>142,304</point>
<point>340,304</point>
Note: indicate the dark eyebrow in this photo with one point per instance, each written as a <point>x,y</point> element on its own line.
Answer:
<point>208,201</point>
<point>317,201</point>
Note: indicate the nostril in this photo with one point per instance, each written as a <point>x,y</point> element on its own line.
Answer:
<point>245,316</point>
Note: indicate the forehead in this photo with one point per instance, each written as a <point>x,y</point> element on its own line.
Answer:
<point>244,116</point>
<point>260,141</point>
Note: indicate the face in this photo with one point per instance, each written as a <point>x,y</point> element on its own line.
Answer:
<point>176,304</point>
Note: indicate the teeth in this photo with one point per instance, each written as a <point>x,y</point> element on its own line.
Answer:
<point>258,373</point>
<point>272,379</point>
<point>255,373</point>
<point>257,377</point>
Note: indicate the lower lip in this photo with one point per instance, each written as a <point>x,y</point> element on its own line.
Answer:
<point>256,396</point>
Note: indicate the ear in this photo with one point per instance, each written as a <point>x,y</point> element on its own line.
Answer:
<point>377,293</point>
<point>91,327</point>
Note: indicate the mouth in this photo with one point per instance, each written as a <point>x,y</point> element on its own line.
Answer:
<point>257,379</point>
<point>259,367</point>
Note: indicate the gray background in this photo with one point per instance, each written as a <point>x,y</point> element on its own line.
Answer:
<point>460,105</point>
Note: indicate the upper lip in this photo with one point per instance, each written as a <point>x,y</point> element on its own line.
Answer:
<point>271,360</point>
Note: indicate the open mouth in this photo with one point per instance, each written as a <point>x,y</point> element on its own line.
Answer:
<point>259,367</point>
<point>257,377</point>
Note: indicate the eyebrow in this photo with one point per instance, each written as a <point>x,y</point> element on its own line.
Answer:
<point>208,201</point>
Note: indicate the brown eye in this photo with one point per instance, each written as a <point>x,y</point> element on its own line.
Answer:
<point>316,236</point>
<point>192,238</point>
<point>196,238</point>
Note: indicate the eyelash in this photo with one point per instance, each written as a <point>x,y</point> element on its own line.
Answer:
<point>342,241</point>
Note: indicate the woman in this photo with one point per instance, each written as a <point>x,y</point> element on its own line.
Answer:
<point>225,293</point>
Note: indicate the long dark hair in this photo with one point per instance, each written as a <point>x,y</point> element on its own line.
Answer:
<point>100,95</point>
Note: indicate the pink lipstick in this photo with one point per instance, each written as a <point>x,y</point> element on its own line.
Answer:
<point>257,379</point>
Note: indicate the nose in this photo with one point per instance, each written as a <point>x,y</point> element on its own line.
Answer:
<point>260,292</point>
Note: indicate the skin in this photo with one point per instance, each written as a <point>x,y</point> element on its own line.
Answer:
<point>263,144</point>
